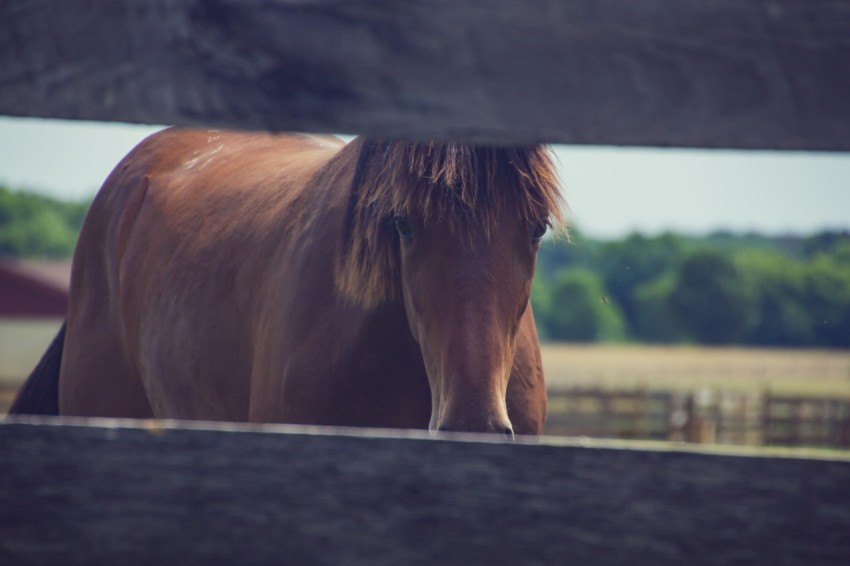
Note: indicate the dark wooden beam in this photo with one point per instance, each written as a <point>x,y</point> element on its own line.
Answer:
<point>126,493</point>
<point>725,73</point>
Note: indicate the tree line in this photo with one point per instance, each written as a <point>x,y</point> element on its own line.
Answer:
<point>722,288</point>
<point>718,289</point>
<point>34,225</point>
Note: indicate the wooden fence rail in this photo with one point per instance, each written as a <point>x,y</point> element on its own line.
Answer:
<point>704,416</point>
<point>725,73</point>
<point>107,492</point>
<point>793,421</point>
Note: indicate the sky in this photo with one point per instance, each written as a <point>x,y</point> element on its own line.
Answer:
<point>611,191</point>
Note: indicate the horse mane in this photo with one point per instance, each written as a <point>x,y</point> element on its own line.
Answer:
<point>456,184</point>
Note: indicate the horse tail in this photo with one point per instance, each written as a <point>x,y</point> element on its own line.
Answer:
<point>39,394</point>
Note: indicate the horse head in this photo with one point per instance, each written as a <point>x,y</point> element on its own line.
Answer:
<point>452,231</point>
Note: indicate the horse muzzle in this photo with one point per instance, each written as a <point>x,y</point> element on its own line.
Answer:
<point>470,422</point>
<point>506,430</point>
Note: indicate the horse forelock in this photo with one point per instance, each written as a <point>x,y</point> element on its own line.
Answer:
<point>462,186</point>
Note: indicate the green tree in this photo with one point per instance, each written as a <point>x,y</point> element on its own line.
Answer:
<point>827,298</point>
<point>558,252</point>
<point>580,311</point>
<point>840,253</point>
<point>710,298</point>
<point>824,242</point>
<point>750,288</point>
<point>626,265</point>
<point>655,320</point>
<point>778,286</point>
<point>33,225</point>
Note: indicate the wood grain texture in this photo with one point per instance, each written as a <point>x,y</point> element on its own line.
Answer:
<point>124,493</point>
<point>725,73</point>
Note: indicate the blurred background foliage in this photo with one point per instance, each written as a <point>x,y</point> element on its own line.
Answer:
<point>719,289</point>
<point>37,226</point>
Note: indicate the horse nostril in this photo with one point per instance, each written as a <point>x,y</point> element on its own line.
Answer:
<point>508,432</point>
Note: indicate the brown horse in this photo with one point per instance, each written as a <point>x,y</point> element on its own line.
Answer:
<point>270,278</point>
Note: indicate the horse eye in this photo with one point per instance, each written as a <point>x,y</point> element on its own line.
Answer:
<point>403,227</point>
<point>539,230</point>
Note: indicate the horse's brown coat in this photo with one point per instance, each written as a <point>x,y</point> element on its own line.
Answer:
<point>213,280</point>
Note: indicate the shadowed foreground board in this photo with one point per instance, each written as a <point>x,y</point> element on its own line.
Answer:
<point>122,492</point>
<point>725,73</point>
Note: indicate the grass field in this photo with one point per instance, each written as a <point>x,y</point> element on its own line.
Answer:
<point>816,373</point>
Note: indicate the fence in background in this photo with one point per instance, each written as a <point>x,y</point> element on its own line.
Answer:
<point>703,416</point>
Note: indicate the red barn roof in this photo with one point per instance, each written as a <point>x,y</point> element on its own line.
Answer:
<point>34,288</point>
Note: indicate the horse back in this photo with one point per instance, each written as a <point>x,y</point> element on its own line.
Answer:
<point>169,267</point>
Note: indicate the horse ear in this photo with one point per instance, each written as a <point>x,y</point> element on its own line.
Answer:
<point>367,269</point>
